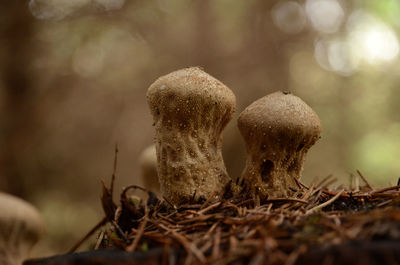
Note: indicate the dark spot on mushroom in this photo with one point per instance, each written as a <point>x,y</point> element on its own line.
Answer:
<point>263,147</point>
<point>266,168</point>
<point>170,97</point>
<point>300,147</point>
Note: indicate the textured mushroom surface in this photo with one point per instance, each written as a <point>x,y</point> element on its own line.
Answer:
<point>20,228</point>
<point>278,130</point>
<point>190,109</point>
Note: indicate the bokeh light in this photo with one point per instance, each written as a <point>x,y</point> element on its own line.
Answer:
<point>326,15</point>
<point>321,53</point>
<point>340,57</point>
<point>60,9</point>
<point>371,39</point>
<point>336,55</point>
<point>366,39</point>
<point>289,17</point>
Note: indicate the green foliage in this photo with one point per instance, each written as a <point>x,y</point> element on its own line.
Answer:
<point>388,10</point>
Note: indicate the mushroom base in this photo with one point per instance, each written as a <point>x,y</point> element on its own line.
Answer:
<point>270,179</point>
<point>190,168</point>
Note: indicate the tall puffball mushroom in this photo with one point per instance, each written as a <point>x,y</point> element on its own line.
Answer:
<point>190,109</point>
<point>20,228</point>
<point>278,130</point>
<point>148,166</point>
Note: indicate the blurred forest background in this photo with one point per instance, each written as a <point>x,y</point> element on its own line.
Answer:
<point>74,74</point>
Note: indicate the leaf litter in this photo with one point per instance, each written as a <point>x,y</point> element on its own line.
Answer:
<point>244,229</point>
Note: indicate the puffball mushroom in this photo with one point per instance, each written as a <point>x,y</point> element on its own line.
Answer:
<point>278,130</point>
<point>148,166</point>
<point>20,228</point>
<point>190,109</point>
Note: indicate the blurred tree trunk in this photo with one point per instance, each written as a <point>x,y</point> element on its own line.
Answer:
<point>265,47</point>
<point>206,50</point>
<point>17,117</point>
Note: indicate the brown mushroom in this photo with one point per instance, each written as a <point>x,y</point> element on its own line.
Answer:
<point>20,228</point>
<point>190,109</point>
<point>148,166</point>
<point>278,130</point>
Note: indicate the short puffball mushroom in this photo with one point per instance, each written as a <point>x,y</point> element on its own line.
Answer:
<point>190,109</point>
<point>278,130</point>
<point>148,167</point>
<point>20,229</point>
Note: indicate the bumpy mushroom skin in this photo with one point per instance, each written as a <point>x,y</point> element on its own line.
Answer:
<point>20,228</point>
<point>148,166</point>
<point>190,109</point>
<point>278,130</point>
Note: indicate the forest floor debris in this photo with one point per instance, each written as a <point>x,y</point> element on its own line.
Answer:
<point>357,225</point>
<point>237,230</point>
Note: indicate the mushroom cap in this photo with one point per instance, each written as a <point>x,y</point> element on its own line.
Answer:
<point>21,226</point>
<point>190,95</point>
<point>279,116</point>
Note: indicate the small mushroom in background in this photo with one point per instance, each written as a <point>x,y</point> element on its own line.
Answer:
<point>20,229</point>
<point>190,109</point>
<point>278,130</point>
<point>148,166</point>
